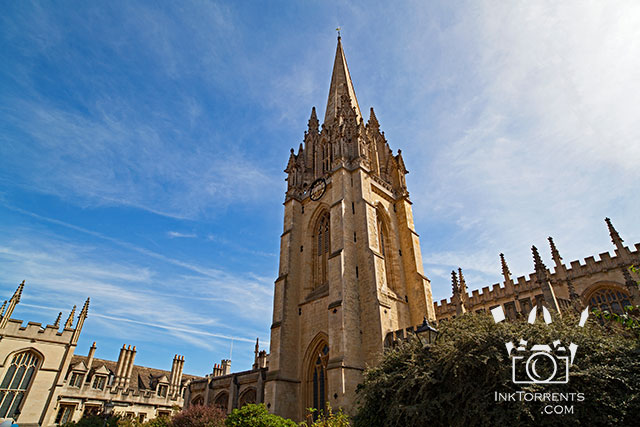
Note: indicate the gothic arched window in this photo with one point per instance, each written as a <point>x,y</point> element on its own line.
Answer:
<point>322,246</point>
<point>317,380</point>
<point>16,381</point>
<point>248,396</point>
<point>199,400</point>
<point>222,401</point>
<point>385,250</point>
<point>610,299</point>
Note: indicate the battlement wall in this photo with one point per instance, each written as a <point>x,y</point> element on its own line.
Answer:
<point>575,270</point>
<point>35,331</point>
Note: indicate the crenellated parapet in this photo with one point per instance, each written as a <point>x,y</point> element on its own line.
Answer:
<point>573,283</point>
<point>34,330</point>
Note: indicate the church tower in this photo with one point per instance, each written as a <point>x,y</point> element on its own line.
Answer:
<point>350,263</point>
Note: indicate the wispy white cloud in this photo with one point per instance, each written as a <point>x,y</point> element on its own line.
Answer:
<point>60,274</point>
<point>536,135</point>
<point>177,234</point>
<point>110,158</point>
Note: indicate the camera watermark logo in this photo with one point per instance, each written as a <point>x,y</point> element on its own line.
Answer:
<point>542,363</point>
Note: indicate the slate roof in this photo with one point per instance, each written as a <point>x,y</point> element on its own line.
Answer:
<point>142,378</point>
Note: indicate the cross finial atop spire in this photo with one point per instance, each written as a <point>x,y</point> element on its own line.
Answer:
<point>338,30</point>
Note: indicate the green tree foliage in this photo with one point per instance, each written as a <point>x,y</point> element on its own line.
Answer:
<point>326,419</point>
<point>162,421</point>
<point>254,415</point>
<point>199,416</point>
<point>95,421</point>
<point>630,317</point>
<point>453,381</point>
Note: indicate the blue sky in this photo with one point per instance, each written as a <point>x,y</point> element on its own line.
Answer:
<point>142,146</point>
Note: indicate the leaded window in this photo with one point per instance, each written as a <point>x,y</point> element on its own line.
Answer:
<point>76,379</point>
<point>65,414</point>
<point>162,390</point>
<point>319,380</point>
<point>16,382</point>
<point>385,250</point>
<point>609,299</point>
<point>99,382</point>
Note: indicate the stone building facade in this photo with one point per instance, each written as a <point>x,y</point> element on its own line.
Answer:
<point>42,381</point>
<point>230,390</point>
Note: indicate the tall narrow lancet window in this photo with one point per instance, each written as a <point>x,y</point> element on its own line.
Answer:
<point>16,381</point>
<point>322,237</point>
<point>319,379</point>
<point>385,250</point>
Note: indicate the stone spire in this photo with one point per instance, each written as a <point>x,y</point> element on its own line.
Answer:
<point>85,310</point>
<point>506,273</point>
<point>617,240</point>
<point>57,322</point>
<point>256,353</point>
<point>15,299</point>
<point>459,293</point>
<point>542,278</point>
<point>615,237</point>
<point>454,283</point>
<point>81,318</point>
<point>537,261</point>
<point>69,323</point>
<point>18,293</point>
<point>563,276</point>
<point>4,305</point>
<point>373,120</point>
<point>463,284</point>
<point>313,121</point>
<point>554,253</point>
<point>341,85</point>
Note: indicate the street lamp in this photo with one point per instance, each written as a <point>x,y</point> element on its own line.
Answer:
<point>107,411</point>
<point>426,333</point>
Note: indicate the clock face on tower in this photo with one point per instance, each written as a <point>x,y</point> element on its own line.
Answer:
<point>317,189</point>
